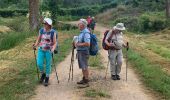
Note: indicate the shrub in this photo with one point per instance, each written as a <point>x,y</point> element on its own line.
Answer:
<point>11,12</point>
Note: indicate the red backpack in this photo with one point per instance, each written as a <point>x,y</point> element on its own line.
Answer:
<point>104,45</point>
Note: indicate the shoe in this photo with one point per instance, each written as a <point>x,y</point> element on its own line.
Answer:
<point>114,77</point>
<point>83,81</point>
<point>42,78</point>
<point>46,81</point>
<point>118,77</point>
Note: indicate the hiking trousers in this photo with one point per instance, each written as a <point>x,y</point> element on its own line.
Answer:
<point>115,58</point>
<point>44,56</point>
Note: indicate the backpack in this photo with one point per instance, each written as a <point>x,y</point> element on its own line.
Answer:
<point>94,48</point>
<point>117,45</point>
<point>104,45</point>
<point>52,35</point>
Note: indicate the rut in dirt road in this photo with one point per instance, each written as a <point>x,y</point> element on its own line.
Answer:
<point>118,90</point>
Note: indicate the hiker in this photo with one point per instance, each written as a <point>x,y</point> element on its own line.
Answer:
<point>46,43</point>
<point>114,40</point>
<point>82,47</point>
<point>89,19</point>
<point>92,24</point>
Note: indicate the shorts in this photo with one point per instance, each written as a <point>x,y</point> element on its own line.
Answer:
<point>83,57</point>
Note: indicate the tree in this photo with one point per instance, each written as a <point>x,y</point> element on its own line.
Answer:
<point>168,8</point>
<point>33,14</point>
<point>53,8</point>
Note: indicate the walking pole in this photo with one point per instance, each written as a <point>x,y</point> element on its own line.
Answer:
<point>107,66</point>
<point>107,69</point>
<point>71,65</point>
<point>127,58</point>
<point>36,63</point>
<point>55,68</point>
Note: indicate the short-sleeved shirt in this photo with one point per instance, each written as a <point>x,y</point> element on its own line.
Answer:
<point>84,36</point>
<point>46,41</point>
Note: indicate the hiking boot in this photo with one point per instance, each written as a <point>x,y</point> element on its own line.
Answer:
<point>46,81</point>
<point>42,78</point>
<point>83,81</point>
<point>114,77</point>
<point>118,77</point>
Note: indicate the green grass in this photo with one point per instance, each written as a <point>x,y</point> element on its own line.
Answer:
<point>10,40</point>
<point>152,75</point>
<point>20,82</point>
<point>93,93</point>
<point>158,49</point>
<point>95,62</point>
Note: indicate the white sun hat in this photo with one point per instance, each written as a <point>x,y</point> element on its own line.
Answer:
<point>119,26</point>
<point>48,21</point>
<point>83,21</point>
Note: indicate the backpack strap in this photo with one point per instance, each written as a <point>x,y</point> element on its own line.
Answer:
<point>110,36</point>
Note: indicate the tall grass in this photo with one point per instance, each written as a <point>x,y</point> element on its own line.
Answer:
<point>158,49</point>
<point>152,75</point>
<point>12,39</point>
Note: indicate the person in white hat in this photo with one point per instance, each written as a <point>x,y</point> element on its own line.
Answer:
<point>82,45</point>
<point>115,41</point>
<point>46,43</point>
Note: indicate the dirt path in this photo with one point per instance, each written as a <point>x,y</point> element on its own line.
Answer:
<point>119,90</point>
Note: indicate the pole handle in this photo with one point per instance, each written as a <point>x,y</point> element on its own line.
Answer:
<point>127,44</point>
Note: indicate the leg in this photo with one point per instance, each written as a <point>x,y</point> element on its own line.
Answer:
<point>40,60</point>
<point>112,58</point>
<point>85,73</point>
<point>48,57</point>
<point>119,64</point>
<point>83,64</point>
<point>119,61</point>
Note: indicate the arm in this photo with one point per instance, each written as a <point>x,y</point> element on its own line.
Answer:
<point>37,41</point>
<point>86,41</point>
<point>83,44</point>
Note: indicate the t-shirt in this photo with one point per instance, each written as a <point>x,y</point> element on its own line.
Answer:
<point>46,41</point>
<point>84,36</point>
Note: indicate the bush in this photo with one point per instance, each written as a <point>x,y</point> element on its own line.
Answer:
<point>11,13</point>
<point>150,23</point>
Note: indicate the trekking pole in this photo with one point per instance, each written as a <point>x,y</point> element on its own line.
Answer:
<point>36,64</point>
<point>107,68</point>
<point>127,58</point>
<point>71,65</point>
<point>55,68</point>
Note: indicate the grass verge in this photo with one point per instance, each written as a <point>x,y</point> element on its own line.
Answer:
<point>21,83</point>
<point>152,75</point>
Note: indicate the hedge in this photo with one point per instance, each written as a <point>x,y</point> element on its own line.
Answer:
<point>11,13</point>
<point>79,11</point>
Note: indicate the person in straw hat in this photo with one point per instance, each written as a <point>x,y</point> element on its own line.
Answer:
<point>114,40</point>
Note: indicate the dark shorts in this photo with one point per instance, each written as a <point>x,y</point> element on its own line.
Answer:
<point>83,57</point>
